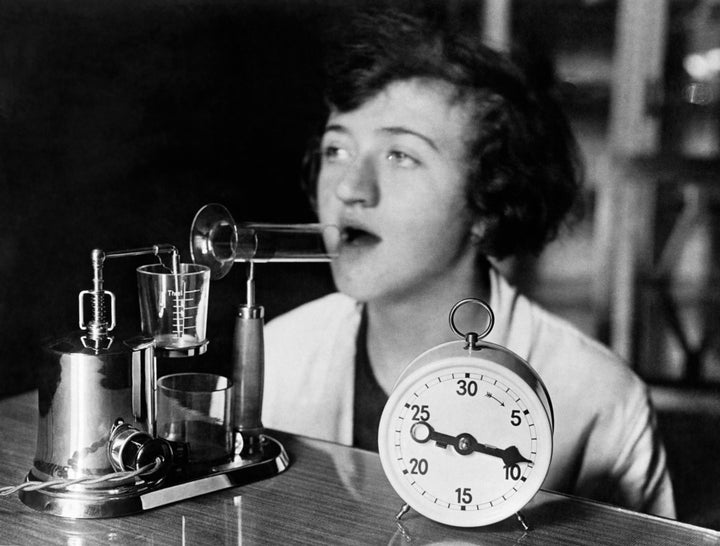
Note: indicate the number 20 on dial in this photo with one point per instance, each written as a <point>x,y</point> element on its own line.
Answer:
<point>466,435</point>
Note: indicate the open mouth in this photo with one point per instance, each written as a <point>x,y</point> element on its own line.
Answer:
<point>357,236</point>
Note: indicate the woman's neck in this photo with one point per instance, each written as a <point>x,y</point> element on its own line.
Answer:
<point>400,330</point>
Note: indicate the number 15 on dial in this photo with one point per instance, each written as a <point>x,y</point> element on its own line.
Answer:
<point>466,435</point>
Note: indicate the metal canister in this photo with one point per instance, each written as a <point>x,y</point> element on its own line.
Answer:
<point>86,385</point>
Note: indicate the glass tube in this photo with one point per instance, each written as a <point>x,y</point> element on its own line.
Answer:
<point>286,242</point>
<point>217,241</point>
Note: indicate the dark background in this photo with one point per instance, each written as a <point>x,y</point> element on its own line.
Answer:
<point>118,121</point>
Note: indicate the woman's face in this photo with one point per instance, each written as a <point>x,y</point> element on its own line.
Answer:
<point>393,178</point>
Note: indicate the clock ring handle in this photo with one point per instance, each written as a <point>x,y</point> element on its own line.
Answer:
<point>472,337</point>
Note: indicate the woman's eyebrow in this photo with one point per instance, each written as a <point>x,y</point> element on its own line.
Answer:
<point>405,131</point>
<point>335,127</point>
<point>392,130</point>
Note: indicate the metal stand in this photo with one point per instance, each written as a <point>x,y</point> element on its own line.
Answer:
<point>182,352</point>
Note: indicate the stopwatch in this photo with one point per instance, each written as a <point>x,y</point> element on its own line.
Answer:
<point>466,435</point>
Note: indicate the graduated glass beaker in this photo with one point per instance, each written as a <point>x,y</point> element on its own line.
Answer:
<point>174,305</point>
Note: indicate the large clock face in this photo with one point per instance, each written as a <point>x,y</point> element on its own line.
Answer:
<point>465,441</point>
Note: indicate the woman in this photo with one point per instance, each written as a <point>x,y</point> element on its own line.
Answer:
<point>437,154</point>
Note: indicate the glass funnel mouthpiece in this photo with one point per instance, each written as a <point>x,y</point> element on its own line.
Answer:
<point>217,241</point>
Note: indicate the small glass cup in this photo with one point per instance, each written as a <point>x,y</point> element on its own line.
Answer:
<point>173,306</point>
<point>195,409</point>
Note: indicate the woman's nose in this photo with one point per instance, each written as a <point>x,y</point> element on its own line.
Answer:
<point>358,184</point>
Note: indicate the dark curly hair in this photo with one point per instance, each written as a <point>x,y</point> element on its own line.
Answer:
<point>525,169</point>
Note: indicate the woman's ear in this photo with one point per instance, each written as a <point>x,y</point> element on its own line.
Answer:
<point>478,231</point>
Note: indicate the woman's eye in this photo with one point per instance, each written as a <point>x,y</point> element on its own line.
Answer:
<point>335,153</point>
<point>402,159</point>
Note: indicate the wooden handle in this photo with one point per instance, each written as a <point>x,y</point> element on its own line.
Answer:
<point>248,370</point>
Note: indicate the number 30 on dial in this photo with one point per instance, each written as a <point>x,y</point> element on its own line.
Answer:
<point>466,435</point>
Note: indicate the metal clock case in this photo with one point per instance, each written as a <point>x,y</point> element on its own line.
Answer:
<point>466,436</point>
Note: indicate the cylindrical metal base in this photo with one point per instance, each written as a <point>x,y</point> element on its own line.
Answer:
<point>268,461</point>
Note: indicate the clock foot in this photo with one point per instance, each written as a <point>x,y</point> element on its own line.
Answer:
<point>522,521</point>
<point>404,510</point>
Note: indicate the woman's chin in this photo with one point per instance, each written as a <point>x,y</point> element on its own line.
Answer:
<point>352,282</point>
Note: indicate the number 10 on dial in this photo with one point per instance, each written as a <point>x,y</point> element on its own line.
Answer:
<point>466,435</point>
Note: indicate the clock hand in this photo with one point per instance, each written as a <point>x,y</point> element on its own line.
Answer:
<point>465,444</point>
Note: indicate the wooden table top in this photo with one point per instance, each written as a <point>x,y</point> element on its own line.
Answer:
<point>330,494</point>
